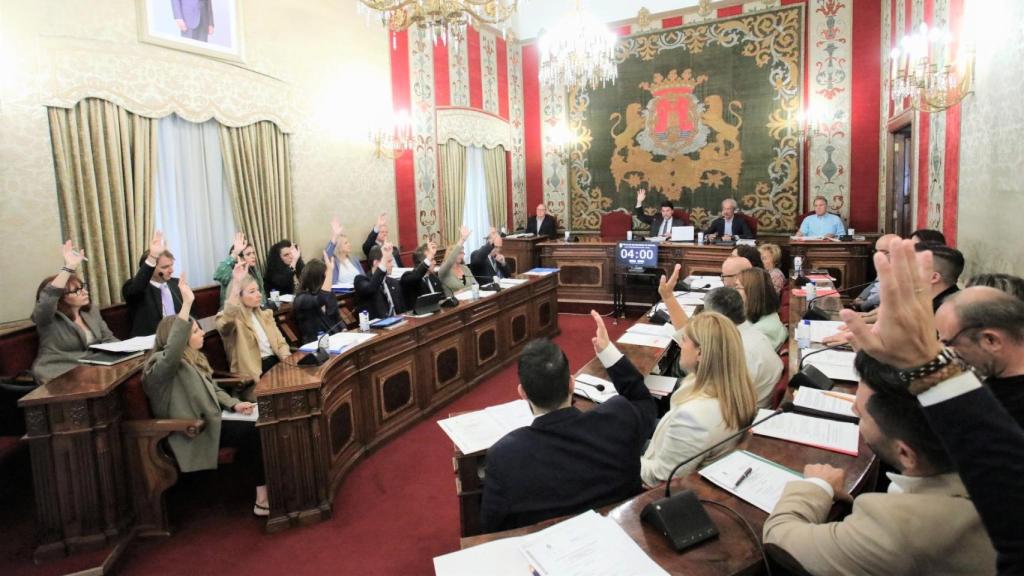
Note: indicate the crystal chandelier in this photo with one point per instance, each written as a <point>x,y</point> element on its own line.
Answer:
<point>393,138</point>
<point>579,52</point>
<point>922,71</point>
<point>443,19</point>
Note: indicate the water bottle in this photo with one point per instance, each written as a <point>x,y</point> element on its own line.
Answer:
<point>700,238</point>
<point>810,291</point>
<point>322,342</point>
<point>798,264</point>
<point>566,234</point>
<point>476,291</point>
<point>275,296</point>
<point>803,334</point>
<point>364,321</point>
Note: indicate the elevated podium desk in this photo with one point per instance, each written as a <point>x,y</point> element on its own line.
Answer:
<point>522,254</point>
<point>587,268</point>
<point>317,422</point>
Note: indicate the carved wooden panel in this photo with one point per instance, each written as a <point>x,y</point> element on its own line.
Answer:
<point>512,262</point>
<point>447,367</point>
<point>518,326</point>
<point>393,390</point>
<point>485,337</point>
<point>341,426</point>
<point>580,273</point>
<point>396,392</point>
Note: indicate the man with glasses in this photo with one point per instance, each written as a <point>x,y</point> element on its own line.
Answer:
<point>869,298</point>
<point>986,328</point>
<point>732,267</point>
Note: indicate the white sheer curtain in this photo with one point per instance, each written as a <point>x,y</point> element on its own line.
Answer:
<point>193,207</point>
<point>475,215</point>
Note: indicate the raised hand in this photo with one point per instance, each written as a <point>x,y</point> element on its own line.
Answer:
<point>336,227</point>
<point>600,339</point>
<point>72,258</point>
<point>465,231</point>
<point>431,252</point>
<point>296,254</point>
<point>329,262</point>
<point>239,244</point>
<point>666,288</point>
<point>156,245</point>
<point>187,296</point>
<point>382,220</point>
<point>239,272</point>
<point>641,195</point>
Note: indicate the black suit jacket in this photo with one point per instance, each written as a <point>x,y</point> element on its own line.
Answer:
<point>987,446</point>
<point>371,241</point>
<point>414,283</point>
<point>370,290</point>
<point>739,227</point>
<point>655,221</point>
<point>569,461</point>
<point>547,228</point>
<point>315,313</point>
<point>145,307</point>
<point>482,266</point>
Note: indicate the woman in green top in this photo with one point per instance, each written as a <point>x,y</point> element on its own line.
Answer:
<point>761,304</point>
<point>241,251</point>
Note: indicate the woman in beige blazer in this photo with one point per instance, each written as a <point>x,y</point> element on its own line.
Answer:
<point>179,383</point>
<point>457,276</point>
<point>65,321</point>
<point>251,338</point>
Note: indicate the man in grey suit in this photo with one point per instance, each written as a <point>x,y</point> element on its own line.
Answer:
<point>194,18</point>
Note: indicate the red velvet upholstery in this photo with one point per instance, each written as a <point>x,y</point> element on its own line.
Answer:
<point>802,217</point>
<point>784,304</point>
<point>681,214</point>
<point>615,224</point>
<point>213,347</point>
<point>136,403</point>
<point>750,220</point>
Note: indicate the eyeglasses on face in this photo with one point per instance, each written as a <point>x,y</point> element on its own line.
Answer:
<point>951,341</point>
<point>83,287</point>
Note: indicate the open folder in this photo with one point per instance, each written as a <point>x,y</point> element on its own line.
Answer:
<point>751,478</point>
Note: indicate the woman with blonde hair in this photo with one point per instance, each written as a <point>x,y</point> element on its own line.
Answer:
<point>761,304</point>
<point>346,265</point>
<point>771,255</point>
<point>458,276</point>
<point>715,400</point>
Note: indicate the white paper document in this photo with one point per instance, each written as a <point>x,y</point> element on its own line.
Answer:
<point>232,415</point>
<point>496,558</point>
<point>587,545</point>
<point>510,282</point>
<point>286,298</point>
<point>836,364</point>
<point>137,344</point>
<point>344,286</point>
<point>842,437</point>
<point>340,341</point>
<point>645,340</point>
<point>593,388</point>
<point>397,272</point>
<point>660,385</point>
<point>476,431</point>
<point>691,298</point>
<point>690,309</point>
<point>821,329</point>
<point>762,486</point>
<point>662,330</point>
<point>704,282</point>
<point>832,402</point>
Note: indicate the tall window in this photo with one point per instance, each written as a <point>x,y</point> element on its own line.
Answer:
<point>475,215</point>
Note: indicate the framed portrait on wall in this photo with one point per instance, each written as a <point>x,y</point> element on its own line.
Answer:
<point>209,27</point>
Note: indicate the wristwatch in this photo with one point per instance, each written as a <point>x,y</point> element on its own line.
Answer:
<point>943,367</point>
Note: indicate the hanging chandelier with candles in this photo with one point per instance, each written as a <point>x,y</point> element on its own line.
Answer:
<point>578,53</point>
<point>444,20</point>
<point>923,71</point>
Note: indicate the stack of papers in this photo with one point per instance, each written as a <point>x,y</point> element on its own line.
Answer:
<point>397,272</point>
<point>287,298</point>
<point>821,277</point>
<point>691,298</point>
<point>476,431</point>
<point>343,287</point>
<point>842,437</point>
<point>340,341</point>
<point>645,340</point>
<point>540,271</point>
<point>836,364</point>
<point>597,390</point>
<point>588,544</point>
<point>762,486</point>
<point>660,386</point>
<point>467,295</point>
<point>825,403</point>
<point>232,415</point>
<point>822,329</point>
<point>690,309</point>
<point>137,344</point>
<point>510,282</point>
<point>663,330</point>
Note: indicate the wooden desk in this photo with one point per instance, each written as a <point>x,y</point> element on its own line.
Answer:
<point>522,254</point>
<point>317,422</point>
<point>588,266</point>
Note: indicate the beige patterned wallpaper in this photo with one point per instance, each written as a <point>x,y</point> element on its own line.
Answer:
<point>313,66</point>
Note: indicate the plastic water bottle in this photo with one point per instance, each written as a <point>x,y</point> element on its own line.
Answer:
<point>700,238</point>
<point>810,291</point>
<point>275,296</point>
<point>476,291</point>
<point>566,234</point>
<point>803,334</point>
<point>364,321</point>
<point>798,264</point>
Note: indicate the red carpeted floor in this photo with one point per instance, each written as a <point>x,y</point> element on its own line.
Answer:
<point>394,512</point>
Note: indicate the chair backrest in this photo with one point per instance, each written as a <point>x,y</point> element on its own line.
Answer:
<point>136,403</point>
<point>615,224</point>
<point>750,220</point>
<point>682,214</point>
<point>802,217</point>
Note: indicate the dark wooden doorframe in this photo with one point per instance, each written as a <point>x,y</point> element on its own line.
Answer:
<point>899,188</point>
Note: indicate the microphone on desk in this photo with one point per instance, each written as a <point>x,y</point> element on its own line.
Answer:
<point>318,356</point>
<point>810,376</point>
<point>813,313</point>
<point>682,518</point>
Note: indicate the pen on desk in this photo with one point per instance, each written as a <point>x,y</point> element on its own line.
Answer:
<point>843,397</point>
<point>743,477</point>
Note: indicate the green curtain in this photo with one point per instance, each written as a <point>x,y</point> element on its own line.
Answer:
<point>105,161</point>
<point>497,186</point>
<point>258,170</point>
<point>453,189</point>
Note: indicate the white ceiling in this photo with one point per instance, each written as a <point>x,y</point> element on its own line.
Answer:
<point>534,15</point>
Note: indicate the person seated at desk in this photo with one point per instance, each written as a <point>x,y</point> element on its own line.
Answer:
<point>928,236</point>
<point>541,224</point>
<point>487,262</point>
<point>727,227</point>
<point>567,461</point>
<point>65,321</point>
<point>948,264</point>
<point>380,294</point>
<point>761,304</point>
<point>869,298</point>
<point>315,308</point>
<point>241,251</point>
<point>821,224</point>
<point>752,254</point>
<point>378,236</point>
<point>924,524</point>
<point>662,224</point>
<point>771,256</point>
<point>252,341</point>
<point>428,271</point>
<point>346,265</point>
<point>178,381</point>
<point>284,267</point>
<point>731,268</point>
<point>763,363</point>
<point>459,276</point>
<point>152,294</point>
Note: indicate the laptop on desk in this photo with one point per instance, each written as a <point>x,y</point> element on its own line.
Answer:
<point>682,234</point>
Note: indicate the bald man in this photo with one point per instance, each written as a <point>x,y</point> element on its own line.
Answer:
<point>986,328</point>
<point>541,224</point>
<point>868,299</point>
<point>732,267</point>
<point>728,227</point>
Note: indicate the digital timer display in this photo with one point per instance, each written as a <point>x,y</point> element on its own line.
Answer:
<point>637,254</point>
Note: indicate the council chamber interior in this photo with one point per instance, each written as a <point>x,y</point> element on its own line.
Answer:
<point>464,287</point>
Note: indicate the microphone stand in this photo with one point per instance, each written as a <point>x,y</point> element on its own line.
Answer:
<point>318,356</point>
<point>812,312</point>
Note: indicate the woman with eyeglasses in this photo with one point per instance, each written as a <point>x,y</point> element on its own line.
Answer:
<point>64,318</point>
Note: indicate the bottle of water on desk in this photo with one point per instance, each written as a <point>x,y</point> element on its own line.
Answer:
<point>476,291</point>
<point>798,264</point>
<point>803,334</point>
<point>364,321</point>
<point>810,292</point>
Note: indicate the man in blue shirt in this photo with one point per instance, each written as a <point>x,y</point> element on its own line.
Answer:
<point>821,223</point>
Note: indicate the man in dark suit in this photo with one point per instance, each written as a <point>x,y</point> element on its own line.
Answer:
<point>662,224</point>
<point>728,227</point>
<point>422,279</point>
<point>567,461</point>
<point>152,294</point>
<point>380,294</point>
<point>194,18</point>
<point>541,224</point>
<point>487,262</point>
<point>379,236</point>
